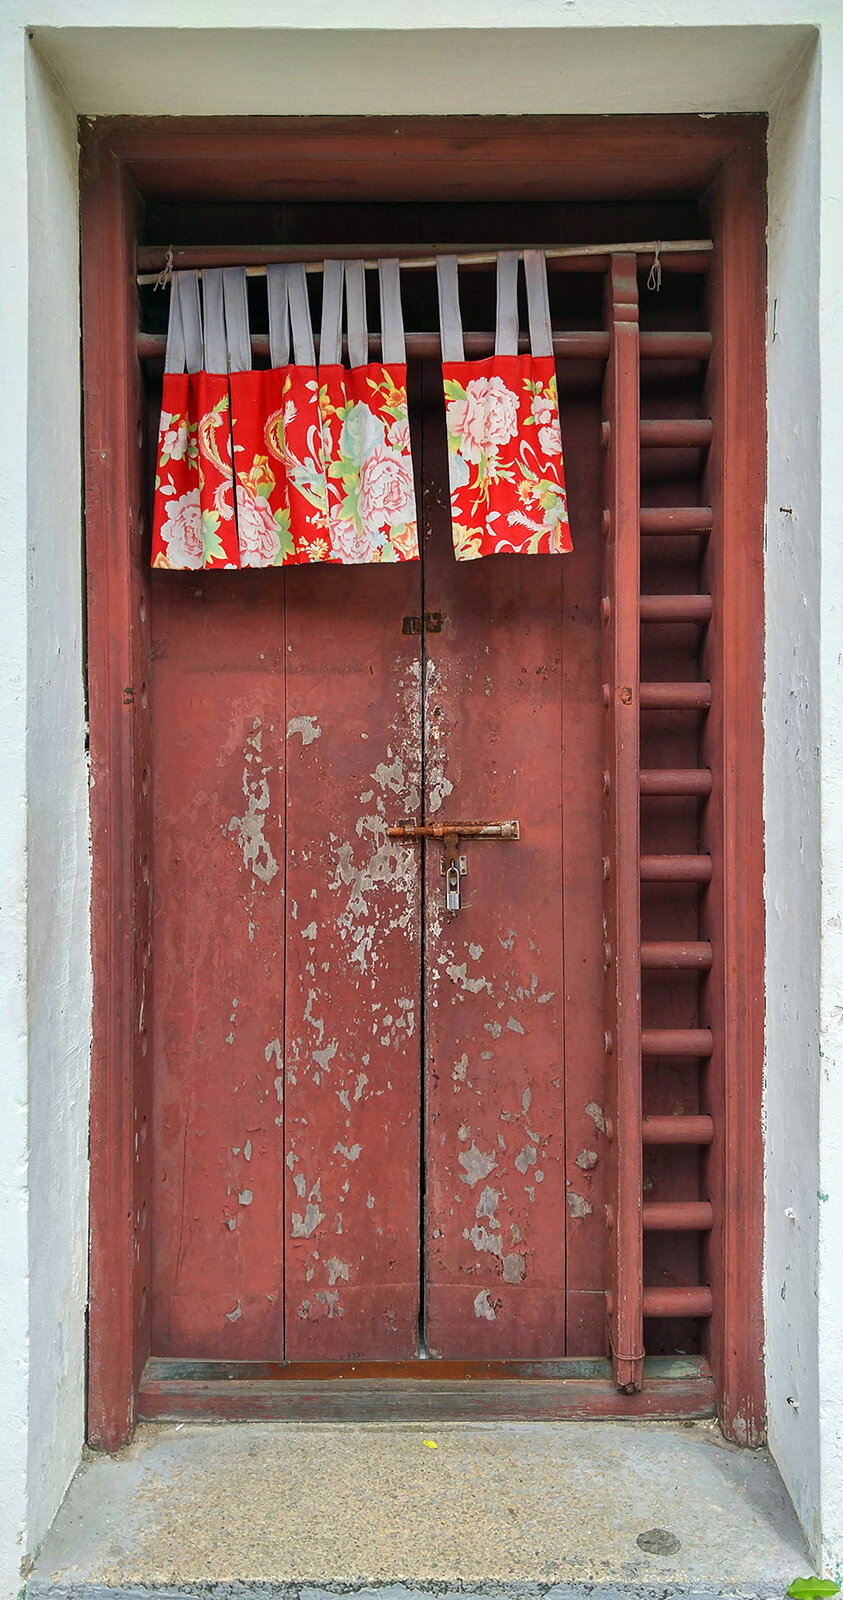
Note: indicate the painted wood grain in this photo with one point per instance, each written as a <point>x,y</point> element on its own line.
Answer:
<point>218,764</point>
<point>353,1025</point>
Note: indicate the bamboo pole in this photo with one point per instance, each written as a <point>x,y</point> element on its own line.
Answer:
<point>667,252</point>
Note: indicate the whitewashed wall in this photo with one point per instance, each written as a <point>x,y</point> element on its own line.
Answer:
<point>512,56</point>
<point>792,795</point>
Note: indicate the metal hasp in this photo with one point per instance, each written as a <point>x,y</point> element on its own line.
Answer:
<point>454,830</point>
<point>454,865</point>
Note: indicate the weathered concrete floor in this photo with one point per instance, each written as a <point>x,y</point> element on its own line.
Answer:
<point>289,1505</point>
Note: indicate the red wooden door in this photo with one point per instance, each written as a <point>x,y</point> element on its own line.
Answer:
<point>288,1023</point>
<point>361,1097</point>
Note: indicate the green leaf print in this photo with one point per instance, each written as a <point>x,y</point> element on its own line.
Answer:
<point>212,549</point>
<point>282,522</point>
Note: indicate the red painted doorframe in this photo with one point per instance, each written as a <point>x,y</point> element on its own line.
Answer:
<point>722,160</point>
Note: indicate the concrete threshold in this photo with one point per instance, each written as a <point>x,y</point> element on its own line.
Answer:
<point>555,1510</point>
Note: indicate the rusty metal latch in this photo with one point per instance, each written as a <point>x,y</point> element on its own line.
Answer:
<point>454,865</point>
<point>454,830</point>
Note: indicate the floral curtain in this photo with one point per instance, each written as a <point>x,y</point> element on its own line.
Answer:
<point>365,427</point>
<point>504,439</point>
<point>193,522</point>
<point>312,463</point>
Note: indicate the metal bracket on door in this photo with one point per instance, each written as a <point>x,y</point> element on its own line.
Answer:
<point>454,865</point>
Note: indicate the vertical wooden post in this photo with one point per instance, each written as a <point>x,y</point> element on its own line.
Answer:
<point>732,746</point>
<point>121,804</point>
<point>621,839</point>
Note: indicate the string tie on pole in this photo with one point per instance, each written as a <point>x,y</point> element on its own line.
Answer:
<point>166,272</point>
<point>654,281</point>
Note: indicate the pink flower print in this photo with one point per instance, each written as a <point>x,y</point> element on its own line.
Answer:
<point>354,545</point>
<point>399,434</point>
<point>181,533</point>
<point>544,411</point>
<point>257,530</point>
<point>550,438</point>
<point>385,493</point>
<point>173,439</point>
<point>486,419</point>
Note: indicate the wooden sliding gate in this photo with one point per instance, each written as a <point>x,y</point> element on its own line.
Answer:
<point>660,630</point>
<point>681,788</point>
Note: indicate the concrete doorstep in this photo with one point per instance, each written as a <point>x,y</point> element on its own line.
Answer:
<point>555,1510</point>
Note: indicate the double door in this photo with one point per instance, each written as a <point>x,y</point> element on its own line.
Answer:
<point>378,1120</point>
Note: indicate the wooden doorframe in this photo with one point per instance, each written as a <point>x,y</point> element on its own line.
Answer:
<point>722,160</point>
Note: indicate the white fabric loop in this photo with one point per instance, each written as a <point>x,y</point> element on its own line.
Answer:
<point>303,350</point>
<point>184,326</point>
<point>174,356</point>
<point>506,319</point>
<point>288,303</point>
<point>236,302</point>
<point>450,322</point>
<point>330,339</point>
<point>393,349</point>
<point>191,319</point>
<point>355,306</point>
<point>216,359</point>
<point>538,303</point>
<point>277,297</point>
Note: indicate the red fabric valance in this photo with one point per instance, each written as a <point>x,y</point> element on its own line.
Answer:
<point>306,463</point>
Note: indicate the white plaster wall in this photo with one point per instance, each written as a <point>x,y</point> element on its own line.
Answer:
<point>831,766</point>
<point>606,55</point>
<point>14,1269</point>
<point>512,66</point>
<point>791,791</point>
<point>44,863</point>
<point>57,815</point>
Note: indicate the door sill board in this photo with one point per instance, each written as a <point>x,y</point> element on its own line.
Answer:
<point>175,1390</point>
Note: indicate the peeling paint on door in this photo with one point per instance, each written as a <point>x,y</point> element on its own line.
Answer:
<point>352,977</point>
<point>495,1101</point>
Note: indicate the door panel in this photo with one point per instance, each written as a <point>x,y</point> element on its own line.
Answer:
<point>353,1019</point>
<point>288,734</point>
<point>495,1104</point>
<point>218,948</point>
<point>585,1059</point>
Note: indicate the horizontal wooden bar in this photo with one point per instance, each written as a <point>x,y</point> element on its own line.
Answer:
<point>675,696</point>
<point>676,519</point>
<point>406,1400</point>
<point>677,1216</point>
<point>676,433</point>
<point>676,955</point>
<point>697,1043</point>
<point>675,346</point>
<point>686,1302</point>
<point>675,607</point>
<point>676,869</point>
<point>170,1369</point>
<point>673,781</point>
<point>588,346</point>
<point>675,255</point>
<point>677,1130</point>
